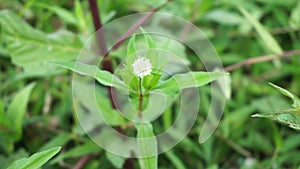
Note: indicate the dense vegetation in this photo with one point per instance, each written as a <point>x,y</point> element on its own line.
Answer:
<point>257,42</point>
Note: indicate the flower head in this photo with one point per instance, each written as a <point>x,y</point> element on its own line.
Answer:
<point>142,67</point>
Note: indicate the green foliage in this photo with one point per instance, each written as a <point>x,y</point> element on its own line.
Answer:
<point>32,49</point>
<point>289,117</point>
<point>148,146</point>
<point>36,34</point>
<point>188,80</point>
<point>11,122</point>
<point>268,40</point>
<point>36,160</point>
<point>102,76</point>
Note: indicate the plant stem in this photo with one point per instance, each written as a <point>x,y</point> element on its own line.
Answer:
<point>82,162</point>
<point>141,98</point>
<point>106,65</point>
<point>259,59</point>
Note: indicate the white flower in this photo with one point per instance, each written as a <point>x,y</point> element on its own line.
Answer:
<point>142,67</point>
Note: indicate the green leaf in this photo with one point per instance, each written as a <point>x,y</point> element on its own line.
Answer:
<point>288,117</point>
<point>296,100</point>
<point>151,80</point>
<point>269,41</point>
<point>103,77</point>
<point>36,160</point>
<point>148,145</point>
<point>115,160</point>
<point>292,119</point>
<point>130,58</point>
<point>188,80</point>
<point>32,49</point>
<point>17,109</point>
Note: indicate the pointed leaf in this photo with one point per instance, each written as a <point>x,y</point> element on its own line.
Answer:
<point>291,119</point>
<point>17,109</point>
<point>295,99</point>
<point>148,145</point>
<point>271,44</point>
<point>36,160</point>
<point>188,80</point>
<point>103,77</point>
<point>130,58</point>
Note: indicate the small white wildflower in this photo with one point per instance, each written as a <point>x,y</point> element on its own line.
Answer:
<point>142,67</point>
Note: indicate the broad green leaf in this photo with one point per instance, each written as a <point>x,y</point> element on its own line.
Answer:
<point>36,160</point>
<point>148,145</point>
<point>87,148</point>
<point>103,77</point>
<point>296,100</point>
<point>268,40</point>
<point>32,49</point>
<point>188,80</point>
<point>17,109</point>
<point>117,161</point>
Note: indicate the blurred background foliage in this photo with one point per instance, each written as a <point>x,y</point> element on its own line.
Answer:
<point>34,33</point>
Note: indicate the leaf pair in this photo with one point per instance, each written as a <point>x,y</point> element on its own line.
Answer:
<point>289,117</point>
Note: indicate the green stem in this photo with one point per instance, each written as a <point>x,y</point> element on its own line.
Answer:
<point>141,98</point>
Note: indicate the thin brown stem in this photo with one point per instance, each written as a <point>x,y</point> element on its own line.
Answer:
<point>106,63</point>
<point>82,162</point>
<point>259,59</point>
